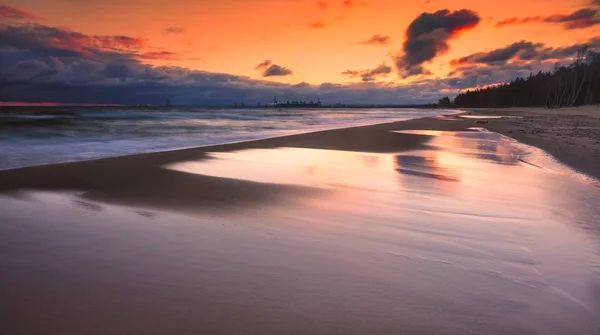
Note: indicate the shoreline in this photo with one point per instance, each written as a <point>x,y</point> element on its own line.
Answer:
<point>570,135</point>
<point>123,179</point>
<point>506,126</point>
<point>83,146</point>
<point>300,132</point>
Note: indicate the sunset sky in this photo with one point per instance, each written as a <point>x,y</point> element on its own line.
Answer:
<point>218,52</point>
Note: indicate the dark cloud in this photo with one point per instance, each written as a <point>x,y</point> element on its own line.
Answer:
<point>62,42</point>
<point>175,30</point>
<point>12,13</point>
<point>520,49</point>
<point>516,60</point>
<point>524,51</point>
<point>580,19</point>
<point>583,18</point>
<point>263,65</point>
<point>317,24</point>
<point>477,76</point>
<point>302,85</point>
<point>273,70</point>
<point>427,37</point>
<point>369,75</point>
<point>595,3</point>
<point>377,39</point>
<point>276,71</point>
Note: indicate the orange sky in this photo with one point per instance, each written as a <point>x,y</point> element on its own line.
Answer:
<point>233,36</point>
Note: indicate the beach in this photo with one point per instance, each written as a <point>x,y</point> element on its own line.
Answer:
<point>429,225</point>
<point>572,135</point>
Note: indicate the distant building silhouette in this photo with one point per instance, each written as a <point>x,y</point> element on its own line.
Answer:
<point>296,104</point>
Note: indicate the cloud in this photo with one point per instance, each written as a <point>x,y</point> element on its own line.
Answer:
<point>524,51</point>
<point>175,30</point>
<point>263,65</point>
<point>42,63</point>
<point>276,71</point>
<point>427,37</point>
<point>273,70</point>
<point>317,24</point>
<point>60,42</point>
<point>159,55</point>
<point>12,13</point>
<point>516,20</point>
<point>324,4</point>
<point>302,85</point>
<point>353,3</point>
<point>517,50</point>
<point>369,75</point>
<point>377,39</point>
<point>518,59</point>
<point>580,19</point>
<point>583,18</point>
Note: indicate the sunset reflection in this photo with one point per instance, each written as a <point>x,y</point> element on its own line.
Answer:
<point>299,166</point>
<point>456,157</point>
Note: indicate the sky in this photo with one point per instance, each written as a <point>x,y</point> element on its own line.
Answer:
<point>209,52</point>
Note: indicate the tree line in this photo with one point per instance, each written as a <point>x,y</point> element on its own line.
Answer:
<point>575,84</point>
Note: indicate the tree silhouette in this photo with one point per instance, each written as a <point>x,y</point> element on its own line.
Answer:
<point>566,86</point>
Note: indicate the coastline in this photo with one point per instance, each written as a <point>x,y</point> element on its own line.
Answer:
<point>570,135</point>
<point>54,136</point>
<point>140,180</point>
<point>531,126</point>
<point>413,232</point>
<point>124,179</point>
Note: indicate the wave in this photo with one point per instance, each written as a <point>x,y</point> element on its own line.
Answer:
<point>51,135</point>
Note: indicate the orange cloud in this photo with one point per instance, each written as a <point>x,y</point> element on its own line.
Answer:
<point>17,14</point>
<point>322,4</point>
<point>353,3</point>
<point>377,39</point>
<point>516,20</point>
<point>318,24</point>
<point>175,30</point>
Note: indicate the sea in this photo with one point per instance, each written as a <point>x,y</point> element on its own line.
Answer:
<point>46,135</point>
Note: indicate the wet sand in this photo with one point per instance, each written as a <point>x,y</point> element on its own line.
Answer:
<point>379,229</point>
<point>572,135</point>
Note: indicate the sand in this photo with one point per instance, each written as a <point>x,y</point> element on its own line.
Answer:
<point>571,135</point>
<point>351,231</point>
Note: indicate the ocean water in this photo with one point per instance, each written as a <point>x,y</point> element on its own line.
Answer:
<point>35,136</point>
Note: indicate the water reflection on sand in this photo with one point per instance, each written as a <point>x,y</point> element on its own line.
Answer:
<point>449,156</point>
<point>476,210</point>
<point>472,234</point>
